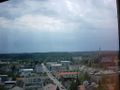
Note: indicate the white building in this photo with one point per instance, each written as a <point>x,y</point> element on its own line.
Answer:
<point>65,63</point>
<point>54,66</point>
<point>74,67</point>
<point>3,78</point>
<point>77,58</point>
<point>49,63</point>
<point>34,82</point>
<point>25,72</point>
<point>9,84</point>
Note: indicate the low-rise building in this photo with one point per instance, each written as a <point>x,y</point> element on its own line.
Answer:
<point>25,72</point>
<point>109,62</point>
<point>35,82</point>
<point>65,63</point>
<point>3,78</point>
<point>67,74</point>
<point>9,84</point>
<point>50,87</point>
<point>53,67</point>
<point>16,88</point>
<point>74,67</point>
<point>39,69</point>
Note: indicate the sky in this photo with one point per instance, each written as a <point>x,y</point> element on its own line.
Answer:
<point>58,25</point>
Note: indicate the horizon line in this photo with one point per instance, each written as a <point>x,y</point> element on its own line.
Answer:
<point>58,52</point>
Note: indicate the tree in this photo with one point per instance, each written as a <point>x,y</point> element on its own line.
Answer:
<point>84,77</point>
<point>57,88</point>
<point>73,86</point>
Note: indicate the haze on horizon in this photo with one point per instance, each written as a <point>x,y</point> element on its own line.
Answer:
<point>58,25</point>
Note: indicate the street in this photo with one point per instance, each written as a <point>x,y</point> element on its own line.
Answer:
<point>61,87</point>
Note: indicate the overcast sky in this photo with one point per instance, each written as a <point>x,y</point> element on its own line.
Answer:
<point>58,25</point>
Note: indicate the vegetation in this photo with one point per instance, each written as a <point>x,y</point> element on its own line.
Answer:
<point>80,79</point>
<point>2,88</point>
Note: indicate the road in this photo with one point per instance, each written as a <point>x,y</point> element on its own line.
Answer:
<point>61,87</point>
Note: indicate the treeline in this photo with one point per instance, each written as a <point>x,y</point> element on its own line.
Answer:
<point>35,56</point>
<point>48,56</point>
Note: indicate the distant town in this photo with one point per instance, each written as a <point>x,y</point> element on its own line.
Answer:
<point>96,70</point>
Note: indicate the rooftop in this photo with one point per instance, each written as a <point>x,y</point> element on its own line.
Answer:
<point>25,70</point>
<point>68,73</point>
<point>50,87</point>
<point>65,61</point>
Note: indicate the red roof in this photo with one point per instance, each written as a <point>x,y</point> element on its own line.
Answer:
<point>68,73</point>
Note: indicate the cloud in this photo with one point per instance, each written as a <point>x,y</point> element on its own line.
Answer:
<point>40,22</point>
<point>64,15</point>
<point>35,23</point>
<point>4,22</point>
<point>64,23</point>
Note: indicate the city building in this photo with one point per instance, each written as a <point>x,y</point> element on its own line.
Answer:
<point>35,82</point>
<point>53,67</point>
<point>3,78</point>
<point>16,88</point>
<point>67,74</point>
<point>109,61</point>
<point>9,84</point>
<point>74,67</point>
<point>25,72</point>
<point>77,58</point>
<point>39,69</point>
<point>50,87</point>
<point>65,63</point>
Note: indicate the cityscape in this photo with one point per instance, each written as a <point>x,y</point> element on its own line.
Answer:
<point>59,45</point>
<point>96,70</point>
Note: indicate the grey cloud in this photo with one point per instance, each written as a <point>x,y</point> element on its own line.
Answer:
<point>68,25</point>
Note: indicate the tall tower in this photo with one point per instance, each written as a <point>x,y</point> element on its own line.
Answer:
<point>99,52</point>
